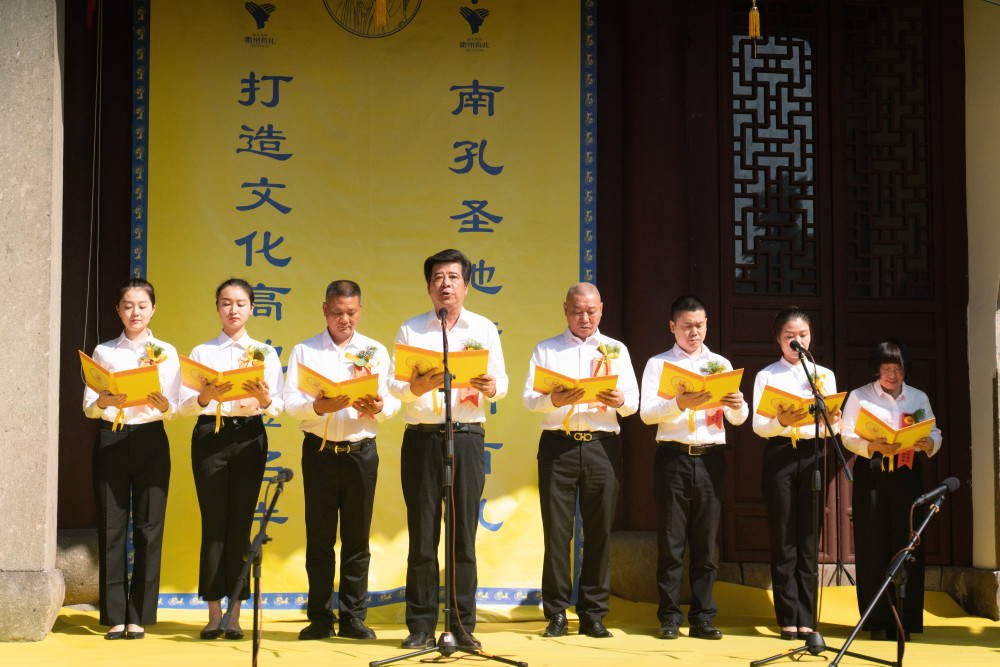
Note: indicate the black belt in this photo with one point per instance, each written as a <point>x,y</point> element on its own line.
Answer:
<point>693,450</point>
<point>343,446</point>
<point>458,427</point>
<point>106,425</point>
<point>785,440</point>
<point>230,422</point>
<point>582,436</point>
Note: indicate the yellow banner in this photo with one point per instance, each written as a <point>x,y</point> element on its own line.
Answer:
<point>299,142</point>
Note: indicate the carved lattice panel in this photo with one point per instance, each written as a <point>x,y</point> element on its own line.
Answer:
<point>774,152</point>
<point>888,180</point>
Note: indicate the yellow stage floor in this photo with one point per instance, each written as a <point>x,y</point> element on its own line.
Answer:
<point>950,638</point>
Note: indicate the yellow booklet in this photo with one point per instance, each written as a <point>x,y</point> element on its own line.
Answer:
<point>136,383</point>
<point>194,375</point>
<point>547,381</point>
<point>464,364</point>
<point>774,398</point>
<point>871,427</point>
<point>313,384</point>
<point>675,380</point>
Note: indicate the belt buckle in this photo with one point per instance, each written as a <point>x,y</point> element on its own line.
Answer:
<point>341,449</point>
<point>583,436</point>
<point>695,450</point>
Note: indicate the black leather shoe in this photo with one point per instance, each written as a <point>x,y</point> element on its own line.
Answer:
<point>419,640</point>
<point>789,634</point>
<point>557,625</point>
<point>211,634</point>
<point>669,630</point>
<point>135,634</point>
<point>233,634</point>
<point>468,640</point>
<point>595,629</point>
<point>117,634</point>
<point>316,630</point>
<point>705,630</point>
<point>355,628</point>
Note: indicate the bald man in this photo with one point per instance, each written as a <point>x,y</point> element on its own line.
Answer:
<point>579,452</point>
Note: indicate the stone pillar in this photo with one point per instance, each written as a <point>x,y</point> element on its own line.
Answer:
<point>31,146</point>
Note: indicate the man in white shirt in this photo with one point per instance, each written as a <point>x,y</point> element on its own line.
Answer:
<point>579,452</point>
<point>339,460</point>
<point>448,274</point>
<point>688,471</point>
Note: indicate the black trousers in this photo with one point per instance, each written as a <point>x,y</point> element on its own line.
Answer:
<point>593,469</point>
<point>228,468</point>
<point>688,491</point>
<point>130,466</point>
<point>421,470</point>
<point>786,482</point>
<point>338,487</point>
<point>881,509</point>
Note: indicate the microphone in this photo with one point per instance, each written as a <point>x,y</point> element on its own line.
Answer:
<point>285,474</point>
<point>948,486</point>
<point>797,346</point>
<point>443,314</point>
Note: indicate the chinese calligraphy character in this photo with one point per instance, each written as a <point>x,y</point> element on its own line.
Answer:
<point>476,97</point>
<point>481,276</point>
<point>266,300</point>
<point>471,222</point>
<point>264,197</point>
<point>268,142</point>
<point>268,246</point>
<point>470,156</point>
<point>251,86</point>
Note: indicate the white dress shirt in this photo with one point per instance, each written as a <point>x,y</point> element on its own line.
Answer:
<point>223,354</point>
<point>121,354</point>
<point>322,355</point>
<point>674,423</point>
<point>890,410</point>
<point>791,378</point>
<point>424,331</point>
<point>568,355</point>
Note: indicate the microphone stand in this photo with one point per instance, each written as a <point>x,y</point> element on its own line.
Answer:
<point>446,644</point>
<point>254,559</point>
<point>814,643</point>
<point>896,574</point>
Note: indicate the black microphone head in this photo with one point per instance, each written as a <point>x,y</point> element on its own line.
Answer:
<point>284,475</point>
<point>951,484</point>
<point>797,346</point>
<point>443,314</point>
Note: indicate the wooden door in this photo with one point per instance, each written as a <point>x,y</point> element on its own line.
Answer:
<point>834,144</point>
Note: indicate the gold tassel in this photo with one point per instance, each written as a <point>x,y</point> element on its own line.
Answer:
<point>754,26</point>
<point>381,16</point>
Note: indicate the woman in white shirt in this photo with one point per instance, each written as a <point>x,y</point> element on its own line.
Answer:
<point>229,450</point>
<point>787,473</point>
<point>886,482</point>
<point>132,466</point>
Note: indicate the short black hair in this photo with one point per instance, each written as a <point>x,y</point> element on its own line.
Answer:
<point>449,256</point>
<point>786,316</point>
<point>343,288</point>
<point>235,282</point>
<point>136,283</point>
<point>686,303</point>
<point>889,351</point>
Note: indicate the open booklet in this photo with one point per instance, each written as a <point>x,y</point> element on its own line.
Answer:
<point>773,398</point>
<point>194,375</point>
<point>135,383</point>
<point>547,381</point>
<point>314,384</point>
<point>464,364</point>
<point>871,427</point>
<point>676,380</point>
